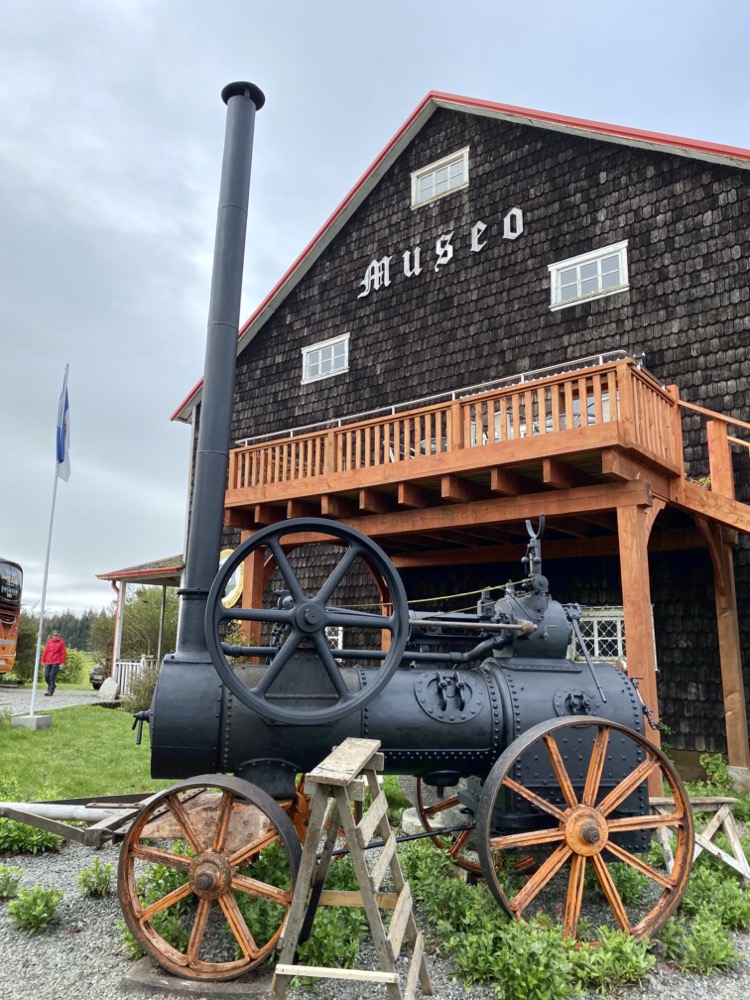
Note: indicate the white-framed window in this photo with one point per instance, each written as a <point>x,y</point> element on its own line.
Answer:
<point>603,631</point>
<point>589,276</point>
<point>440,178</point>
<point>326,358</point>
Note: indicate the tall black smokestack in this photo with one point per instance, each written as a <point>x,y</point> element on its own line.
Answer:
<point>214,433</point>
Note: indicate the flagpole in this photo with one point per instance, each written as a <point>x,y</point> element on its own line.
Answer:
<point>38,655</point>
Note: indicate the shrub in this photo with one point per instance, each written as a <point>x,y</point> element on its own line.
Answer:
<point>34,909</point>
<point>75,670</point>
<point>618,960</point>
<point>95,881</point>
<point>717,772</point>
<point>534,961</point>
<point>707,948</point>
<point>10,878</point>
<point>142,689</point>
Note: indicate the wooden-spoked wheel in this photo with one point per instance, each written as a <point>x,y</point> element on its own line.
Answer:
<point>206,876</point>
<point>433,807</point>
<point>574,792</point>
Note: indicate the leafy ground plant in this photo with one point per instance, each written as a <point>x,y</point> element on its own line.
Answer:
<point>618,960</point>
<point>33,910</point>
<point>706,946</point>
<point>531,960</point>
<point>96,881</point>
<point>18,838</point>
<point>10,878</point>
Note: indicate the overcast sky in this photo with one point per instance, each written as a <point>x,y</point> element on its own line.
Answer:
<point>111,134</point>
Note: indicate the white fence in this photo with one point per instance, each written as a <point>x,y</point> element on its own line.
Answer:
<point>126,671</point>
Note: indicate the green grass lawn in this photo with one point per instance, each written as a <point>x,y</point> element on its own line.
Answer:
<point>87,750</point>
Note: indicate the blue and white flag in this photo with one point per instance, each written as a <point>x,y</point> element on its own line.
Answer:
<point>63,433</point>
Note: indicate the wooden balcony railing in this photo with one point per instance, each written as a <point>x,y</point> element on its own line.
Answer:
<point>620,396</point>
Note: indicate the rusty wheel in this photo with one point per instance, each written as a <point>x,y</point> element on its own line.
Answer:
<point>433,807</point>
<point>206,877</point>
<point>575,793</point>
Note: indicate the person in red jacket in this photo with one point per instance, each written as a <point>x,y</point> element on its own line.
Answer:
<point>53,658</point>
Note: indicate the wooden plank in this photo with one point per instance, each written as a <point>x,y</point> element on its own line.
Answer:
<point>324,972</point>
<point>399,920</point>
<point>505,482</point>
<point>369,822</point>
<point>561,476</point>
<point>710,506</point>
<point>345,762</point>
<point>510,552</point>
<point>382,866</point>
<point>264,514</point>
<point>301,508</point>
<point>416,497</point>
<point>720,459</point>
<point>373,502</point>
<point>351,897</point>
<point>458,490</point>
<point>337,507</point>
<point>417,970</point>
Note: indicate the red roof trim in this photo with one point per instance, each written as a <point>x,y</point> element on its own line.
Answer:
<point>637,135</point>
<point>133,571</point>
<point>441,99</point>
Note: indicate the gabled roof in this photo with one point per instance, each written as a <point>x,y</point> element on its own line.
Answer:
<point>165,572</point>
<point>732,156</point>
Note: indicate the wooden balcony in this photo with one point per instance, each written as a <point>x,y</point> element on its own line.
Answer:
<point>599,451</point>
<point>573,444</point>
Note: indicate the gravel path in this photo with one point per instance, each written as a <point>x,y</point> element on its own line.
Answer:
<point>19,699</point>
<point>79,957</point>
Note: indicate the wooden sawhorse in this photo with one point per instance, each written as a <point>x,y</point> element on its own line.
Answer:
<point>335,787</point>
<point>723,819</point>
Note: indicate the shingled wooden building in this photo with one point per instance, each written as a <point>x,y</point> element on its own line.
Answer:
<point>515,313</point>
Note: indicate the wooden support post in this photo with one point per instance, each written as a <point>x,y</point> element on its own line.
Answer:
<point>720,459</point>
<point>253,585</point>
<point>730,653</point>
<point>678,456</point>
<point>633,528</point>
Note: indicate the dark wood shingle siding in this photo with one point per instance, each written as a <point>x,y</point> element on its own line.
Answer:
<point>486,315</point>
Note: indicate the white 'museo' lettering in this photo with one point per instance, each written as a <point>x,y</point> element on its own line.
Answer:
<point>444,249</point>
<point>409,271</point>
<point>513,224</point>
<point>378,273</point>
<point>476,231</point>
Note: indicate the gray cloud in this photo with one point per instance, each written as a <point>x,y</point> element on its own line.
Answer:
<point>111,130</point>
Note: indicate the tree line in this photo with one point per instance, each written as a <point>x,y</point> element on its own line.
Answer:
<point>93,631</point>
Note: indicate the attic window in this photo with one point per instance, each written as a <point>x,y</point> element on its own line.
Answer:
<point>589,276</point>
<point>440,178</point>
<point>326,358</point>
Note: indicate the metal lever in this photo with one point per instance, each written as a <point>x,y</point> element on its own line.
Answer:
<point>138,719</point>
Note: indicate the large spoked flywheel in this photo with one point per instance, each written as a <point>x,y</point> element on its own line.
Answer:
<point>301,623</point>
<point>558,793</point>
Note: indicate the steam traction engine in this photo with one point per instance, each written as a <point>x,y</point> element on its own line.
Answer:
<point>538,764</point>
